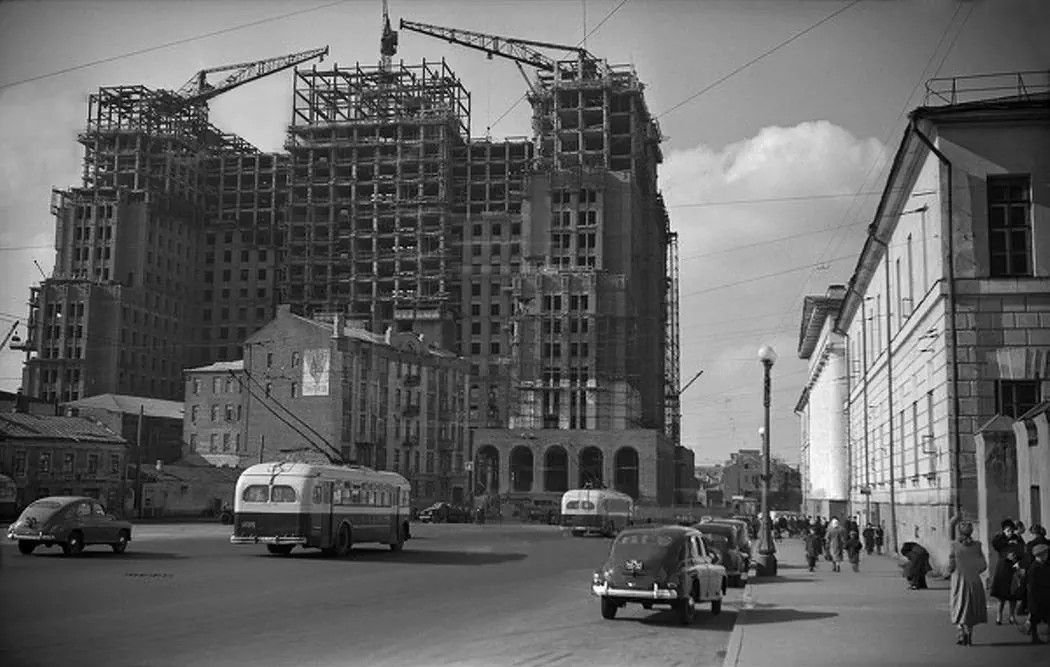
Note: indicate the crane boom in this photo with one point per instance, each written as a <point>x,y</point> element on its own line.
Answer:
<point>519,50</point>
<point>198,90</point>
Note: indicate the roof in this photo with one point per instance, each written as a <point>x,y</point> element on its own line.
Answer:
<point>23,426</point>
<point>187,472</point>
<point>815,310</point>
<point>219,367</point>
<point>151,407</point>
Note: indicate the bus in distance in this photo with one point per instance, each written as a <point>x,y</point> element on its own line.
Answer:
<point>327,507</point>
<point>600,511</point>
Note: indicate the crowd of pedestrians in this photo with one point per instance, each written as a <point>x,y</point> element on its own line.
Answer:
<point>1019,580</point>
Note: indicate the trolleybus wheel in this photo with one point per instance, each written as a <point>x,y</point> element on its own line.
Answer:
<point>343,544</point>
<point>279,549</point>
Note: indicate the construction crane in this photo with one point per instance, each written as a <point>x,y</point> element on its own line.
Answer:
<point>10,335</point>
<point>519,50</point>
<point>387,43</point>
<point>198,91</point>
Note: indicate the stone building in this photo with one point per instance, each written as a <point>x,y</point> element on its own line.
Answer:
<point>947,315</point>
<point>160,426</point>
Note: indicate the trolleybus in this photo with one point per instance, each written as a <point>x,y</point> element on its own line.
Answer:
<point>326,507</point>
<point>599,511</point>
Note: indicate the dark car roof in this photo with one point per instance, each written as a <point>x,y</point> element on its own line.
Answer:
<point>677,532</point>
<point>716,528</point>
<point>65,500</point>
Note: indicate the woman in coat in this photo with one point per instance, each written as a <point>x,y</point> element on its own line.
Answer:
<point>916,566</point>
<point>835,542</point>
<point>966,562</point>
<point>1011,548</point>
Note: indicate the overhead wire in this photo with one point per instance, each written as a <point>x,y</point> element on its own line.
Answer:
<point>756,59</point>
<point>165,45</point>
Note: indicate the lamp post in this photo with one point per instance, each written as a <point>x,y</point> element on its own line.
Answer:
<point>766,562</point>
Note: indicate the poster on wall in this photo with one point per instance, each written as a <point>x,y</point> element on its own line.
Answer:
<point>315,372</point>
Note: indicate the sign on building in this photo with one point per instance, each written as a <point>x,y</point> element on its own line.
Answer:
<point>316,367</point>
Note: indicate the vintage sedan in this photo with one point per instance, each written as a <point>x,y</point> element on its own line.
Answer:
<point>71,522</point>
<point>743,539</point>
<point>660,565</point>
<point>721,539</point>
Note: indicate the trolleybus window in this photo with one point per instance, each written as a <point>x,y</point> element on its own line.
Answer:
<point>256,493</point>
<point>586,505</point>
<point>572,505</point>
<point>282,494</point>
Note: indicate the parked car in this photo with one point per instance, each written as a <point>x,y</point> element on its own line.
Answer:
<point>722,539</point>
<point>660,565</point>
<point>743,536</point>
<point>71,522</point>
<point>442,512</point>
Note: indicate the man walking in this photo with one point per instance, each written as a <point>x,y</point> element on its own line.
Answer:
<point>869,538</point>
<point>814,546</point>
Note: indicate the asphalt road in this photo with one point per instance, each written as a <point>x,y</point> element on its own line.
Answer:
<point>458,595</point>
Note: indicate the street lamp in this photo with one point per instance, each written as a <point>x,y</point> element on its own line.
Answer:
<point>766,562</point>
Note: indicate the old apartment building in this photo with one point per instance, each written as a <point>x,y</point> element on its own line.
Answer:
<point>945,323</point>
<point>547,262</point>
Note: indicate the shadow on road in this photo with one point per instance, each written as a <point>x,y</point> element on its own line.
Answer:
<point>107,555</point>
<point>410,557</point>
<point>780,580</point>
<point>704,620</point>
<point>782,615</point>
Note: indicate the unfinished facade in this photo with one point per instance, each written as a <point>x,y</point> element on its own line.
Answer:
<point>547,262</point>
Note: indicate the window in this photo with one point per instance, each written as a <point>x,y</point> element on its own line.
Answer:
<point>215,413</point>
<point>1013,398</point>
<point>45,462</point>
<point>256,493</point>
<point>1009,225</point>
<point>114,462</point>
<point>92,464</point>
<point>194,413</point>
<point>213,444</point>
<point>20,463</point>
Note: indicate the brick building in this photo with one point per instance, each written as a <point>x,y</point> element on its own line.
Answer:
<point>390,401</point>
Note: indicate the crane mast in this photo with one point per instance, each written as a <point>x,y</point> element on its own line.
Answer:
<point>198,90</point>
<point>387,43</point>
<point>519,50</point>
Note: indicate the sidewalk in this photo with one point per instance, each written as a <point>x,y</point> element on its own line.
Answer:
<point>861,618</point>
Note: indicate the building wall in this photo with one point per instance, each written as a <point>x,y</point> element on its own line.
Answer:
<point>23,461</point>
<point>655,457</point>
<point>1033,468</point>
<point>827,460</point>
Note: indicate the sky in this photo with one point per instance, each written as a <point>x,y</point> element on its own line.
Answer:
<point>779,118</point>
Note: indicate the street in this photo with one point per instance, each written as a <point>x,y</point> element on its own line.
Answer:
<point>458,594</point>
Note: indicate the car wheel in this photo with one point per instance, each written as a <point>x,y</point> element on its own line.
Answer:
<point>122,542</point>
<point>343,545</point>
<point>279,549</point>
<point>716,606</point>
<point>75,545</point>
<point>609,608</point>
<point>26,546</point>
<point>686,610</point>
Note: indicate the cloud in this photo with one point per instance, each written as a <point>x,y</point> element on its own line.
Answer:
<point>745,265</point>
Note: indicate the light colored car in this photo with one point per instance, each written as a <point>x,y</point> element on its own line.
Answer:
<point>71,522</point>
<point>660,565</point>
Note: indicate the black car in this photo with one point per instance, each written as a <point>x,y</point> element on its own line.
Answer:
<point>70,522</point>
<point>660,565</point>
<point>723,539</point>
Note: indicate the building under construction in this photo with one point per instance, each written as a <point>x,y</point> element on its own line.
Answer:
<point>548,261</point>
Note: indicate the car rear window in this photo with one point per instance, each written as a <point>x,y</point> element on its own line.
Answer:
<point>642,545</point>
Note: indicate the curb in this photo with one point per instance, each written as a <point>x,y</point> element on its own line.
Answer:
<point>736,638</point>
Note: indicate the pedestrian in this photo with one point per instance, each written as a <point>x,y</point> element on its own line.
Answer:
<point>880,534</point>
<point>966,562</point>
<point>814,545</point>
<point>835,542</point>
<point>916,566</point>
<point>1039,538</point>
<point>1006,582</point>
<point>852,525</point>
<point>1038,589</point>
<point>869,538</point>
<point>853,547</point>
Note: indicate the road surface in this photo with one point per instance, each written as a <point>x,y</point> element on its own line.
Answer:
<point>515,595</point>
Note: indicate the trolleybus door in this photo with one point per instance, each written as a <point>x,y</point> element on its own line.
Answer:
<point>327,517</point>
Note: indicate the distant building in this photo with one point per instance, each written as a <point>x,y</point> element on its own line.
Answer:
<point>390,401</point>
<point>13,401</point>
<point>742,475</point>
<point>50,456</point>
<point>160,427</point>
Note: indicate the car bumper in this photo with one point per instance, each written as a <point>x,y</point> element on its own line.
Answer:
<point>255,539</point>
<point>32,537</point>
<point>654,593</point>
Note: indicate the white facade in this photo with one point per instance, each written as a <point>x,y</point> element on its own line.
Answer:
<point>935,351</point>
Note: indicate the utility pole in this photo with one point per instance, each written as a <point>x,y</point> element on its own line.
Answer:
<point>138,465</point>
